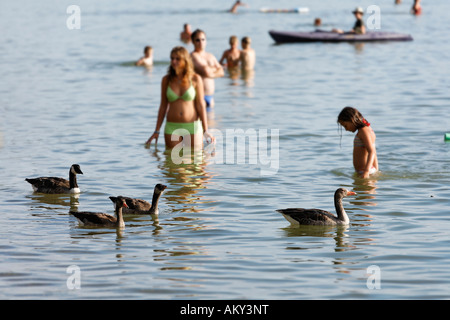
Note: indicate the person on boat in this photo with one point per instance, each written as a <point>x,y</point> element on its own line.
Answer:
<point>182,103</point>
<point>416,8</point>
<point>206,65</point>
<point>365,159</point>
<point>147,59</point>
<point>359,27</point>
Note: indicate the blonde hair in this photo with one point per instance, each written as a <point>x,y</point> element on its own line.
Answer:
<point>188,70</point>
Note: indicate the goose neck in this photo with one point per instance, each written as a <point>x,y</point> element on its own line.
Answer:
<point>340,211</point>
<point>119,216</point>
<point>155,200</point>
<point>72,180</point>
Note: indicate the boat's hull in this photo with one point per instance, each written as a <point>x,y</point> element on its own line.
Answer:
<point>328,36</point>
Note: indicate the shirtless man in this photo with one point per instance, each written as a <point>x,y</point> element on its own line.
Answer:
<point>206,65</point>
<point>247,57</point>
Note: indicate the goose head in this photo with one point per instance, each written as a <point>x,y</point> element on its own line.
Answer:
<point>119,202</point>
<point>342,192</point>
<point>159,188</point>
<point>75,169</point>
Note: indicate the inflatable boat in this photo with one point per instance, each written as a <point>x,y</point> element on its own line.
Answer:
<point>329,36</point>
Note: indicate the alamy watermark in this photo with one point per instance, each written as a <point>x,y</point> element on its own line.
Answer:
<point>374,277</point>
<point>74,20</point>
<point>259,147</point>
<point>374,20</point>
<point>74,280</point>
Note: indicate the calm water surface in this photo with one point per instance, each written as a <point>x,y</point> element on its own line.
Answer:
<point>74,96</point>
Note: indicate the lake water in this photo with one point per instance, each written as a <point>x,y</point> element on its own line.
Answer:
<point>74,96</point>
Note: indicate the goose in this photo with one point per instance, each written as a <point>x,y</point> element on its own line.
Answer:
<point>300,216</point>
<point>56,185</point>
<point>99,219</point>
<point>139,206</point>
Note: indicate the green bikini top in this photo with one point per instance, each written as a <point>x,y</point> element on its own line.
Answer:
<point>188,95</point>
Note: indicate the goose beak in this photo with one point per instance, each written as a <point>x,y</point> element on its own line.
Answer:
<point>351,193</point>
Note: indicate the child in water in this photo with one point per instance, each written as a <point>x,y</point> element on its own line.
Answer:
<point>147,59</point>
<point>365,158</point>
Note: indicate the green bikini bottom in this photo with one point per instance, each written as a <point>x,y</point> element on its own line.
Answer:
<point>181,128</point>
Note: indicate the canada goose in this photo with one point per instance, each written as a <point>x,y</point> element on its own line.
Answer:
<point>99,219</point>
<point>138,206</point>
<point>56,185</point>
<point>300,216</point>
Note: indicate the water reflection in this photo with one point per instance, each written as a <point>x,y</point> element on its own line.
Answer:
<point>64,200</point>
<point>358,46</point>
<point>178,258</point>
<point>185,178</point>
<point>366,190</point>
<point>248,76</point>
<point>82,232</point>
<point>239,76</point>
<point>314,231</point>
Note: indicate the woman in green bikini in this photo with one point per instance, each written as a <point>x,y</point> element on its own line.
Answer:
<point>182,100</point>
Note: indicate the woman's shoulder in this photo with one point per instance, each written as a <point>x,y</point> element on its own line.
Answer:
<point>165,79</point>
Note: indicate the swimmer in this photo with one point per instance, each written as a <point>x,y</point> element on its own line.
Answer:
<point>230,57</point>
<point>317,22</point>
<point>206,65</point>
<point>147,59</point>
<point>185,35</point>
<point>236,5</point>
<point>416,8</point>
<point>365,159</point>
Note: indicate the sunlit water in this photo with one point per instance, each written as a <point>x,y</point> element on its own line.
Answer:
<point>74,96</point>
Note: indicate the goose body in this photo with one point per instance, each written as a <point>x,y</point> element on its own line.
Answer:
<point>99,219</point>
<point>56,185</point>
<point>300,216</point>
<point>139,206</point>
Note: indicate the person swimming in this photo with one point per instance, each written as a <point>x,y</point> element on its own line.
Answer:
<point>147,59</point>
